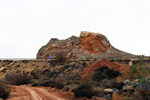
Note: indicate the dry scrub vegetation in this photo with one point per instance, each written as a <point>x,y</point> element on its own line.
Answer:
<point>18,78</point>
<point>4,92</point>
<point>66,75</point>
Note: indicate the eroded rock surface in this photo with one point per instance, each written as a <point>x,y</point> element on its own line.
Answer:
<point>88,45</point>
<point>88,71</point>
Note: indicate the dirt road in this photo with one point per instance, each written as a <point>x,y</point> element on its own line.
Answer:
<point>32,93</point>
<point>41,93</point>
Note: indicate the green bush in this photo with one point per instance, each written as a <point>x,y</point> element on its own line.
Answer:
<point>4,92</point>
<point>104,73</point>
<point>140,71</point>
<point>84,90</point>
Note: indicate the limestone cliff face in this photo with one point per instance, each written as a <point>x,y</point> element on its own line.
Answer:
<point>88,45</point>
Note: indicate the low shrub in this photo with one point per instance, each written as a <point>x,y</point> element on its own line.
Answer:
<point>37,83</point>
<point>37,66</point>
<point>44,83</point>
<point>18,78</point>
<point>75,81</point>
<point>17,65</point>
<point>142,95</point>
<point>60,57</point>
<point>52,62</point>
<point>111,84</point>
<point>104,73</point>
<point>8,61</point>
<point>4,92</point>
<point>59,85</point>
<point>98,91</point>
<point>70,88</point>
<point>84,90</point>
<point>48,83</point>
<point>84,64</point>
<point>25,61</point>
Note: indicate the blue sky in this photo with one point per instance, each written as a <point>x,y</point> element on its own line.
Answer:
<point>26,25</point>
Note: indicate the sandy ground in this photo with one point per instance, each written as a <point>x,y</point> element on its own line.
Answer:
<point>32,93</point>
<point>41,93</point>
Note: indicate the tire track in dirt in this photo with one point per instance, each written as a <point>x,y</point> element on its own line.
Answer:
<point>35,96</point>
<point>46,93</point>
<point>41,94</point>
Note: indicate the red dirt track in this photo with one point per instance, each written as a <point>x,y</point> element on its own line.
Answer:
<point>42,93</point>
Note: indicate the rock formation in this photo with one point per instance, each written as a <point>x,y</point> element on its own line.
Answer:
<point>88,45</point>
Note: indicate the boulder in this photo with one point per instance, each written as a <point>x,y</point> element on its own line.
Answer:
<point>127,88</point>
<point>108,90</point>
<point>126,82</point>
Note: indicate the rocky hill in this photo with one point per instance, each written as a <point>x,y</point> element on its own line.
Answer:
<point>88,45</point>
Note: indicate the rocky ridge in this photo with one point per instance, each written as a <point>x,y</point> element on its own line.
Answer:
<point>89,45</point>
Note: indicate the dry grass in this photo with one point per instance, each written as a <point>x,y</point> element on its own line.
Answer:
<point>118,97</point>
<point>70,88</point>
<point>98,89</point>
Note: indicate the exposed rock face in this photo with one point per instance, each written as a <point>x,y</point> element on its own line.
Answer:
<point>88,71</point>
<point>93,42</point>
<point>88,45</point>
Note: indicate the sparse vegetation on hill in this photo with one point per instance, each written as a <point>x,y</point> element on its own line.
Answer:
<point>141,72</point>
<point>49,83</point>
<point>102,75</point>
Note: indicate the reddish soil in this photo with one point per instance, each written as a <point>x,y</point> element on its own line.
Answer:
<point>34,93</point>
<point>41,93</point>
<point>88,71</point>
<point>19,93</point>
